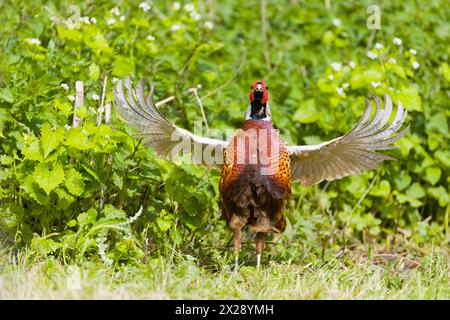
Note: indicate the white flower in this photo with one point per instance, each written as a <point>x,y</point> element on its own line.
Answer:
<point>397,41</point>
<point>93,20</point>
<point>176,6</point>
<point>392,60</point>
<point>65,86</point>
<point>115,80</point>
<point>340,91</point>
<point>95,97</point>
<point>194,15</point>
<point>336,66</point>
<point>188,7</point>
<point>415,65</point>
<point>351,64</point>
<point>372,55</point>
<point>375,84</point>
<point>175,27</point>
<point>71,98</point>
<point>122,18</point>
<point>33,41</point>
<point>199,86</point>
<point>144,6</point>
<point>150,38</point>
<point>345,85</point>
<point>66,127</point>
<point>330,77</point>
<point>391,89</point>
<point>337,22</point>
<point>85,20</point>
<point>209,25</point>
<point>110,21</point>
<point>115,11</point>
<point>412,51</point>
<point>378,46</point>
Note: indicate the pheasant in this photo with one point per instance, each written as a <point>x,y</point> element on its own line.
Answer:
<point>257,166</point>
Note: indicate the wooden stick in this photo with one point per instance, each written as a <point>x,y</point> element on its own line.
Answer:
<point>79,99</point>
<point>108,113</point>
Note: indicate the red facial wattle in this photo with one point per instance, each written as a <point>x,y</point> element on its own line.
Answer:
<point>259,85</point>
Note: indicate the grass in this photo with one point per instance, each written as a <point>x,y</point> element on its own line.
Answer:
<point>350,276</point>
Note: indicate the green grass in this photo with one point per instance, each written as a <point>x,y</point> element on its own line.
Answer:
<point>351,276</point>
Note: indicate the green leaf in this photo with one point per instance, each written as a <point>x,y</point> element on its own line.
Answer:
<point>382,190</point>
<point>50,138</point>
<point>443,156</point>
<point>32,189</point>
<point>88,217</point>
<point>410,98</point>
<point>432,175</point>
<point>77,138</point>
<point>6,95</point>
<point>74,182</point>
<point>438,122</point>
<point>91,172</point>
<point>118,181</point>
<point>33,151</point>
<point>112,213</point>
<point>440,194</point>
<point>415,191</point>
<point>402,181</point>
<point>307,112</point>
<point>48,179</point>
<point>64,199</point>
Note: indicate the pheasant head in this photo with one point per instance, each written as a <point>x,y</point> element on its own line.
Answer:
<point>259,98</point>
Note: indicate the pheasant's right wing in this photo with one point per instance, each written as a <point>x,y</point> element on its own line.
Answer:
<point>157,132</point>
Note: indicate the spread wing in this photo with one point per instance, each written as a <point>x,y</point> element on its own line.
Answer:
<point>157,132</point>
<point>353,152</point>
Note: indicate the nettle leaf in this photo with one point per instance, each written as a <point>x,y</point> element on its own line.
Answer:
<point>77,138</point>
<point>74,182</point>
<point>91,172</point>
<point>432,175</point>
<point>64,199</point>
<point>118,181</point>
<point>112,213</point>
<point>48,179</point>
<point>33,151</point>
<point>50,138</point>
<point>32,189</point>
<point>87,217</point>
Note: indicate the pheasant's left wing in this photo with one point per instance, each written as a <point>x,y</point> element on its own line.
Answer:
<point>353,152</point>
<point>157,132</point>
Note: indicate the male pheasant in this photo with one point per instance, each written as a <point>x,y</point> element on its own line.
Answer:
<point>257,166</point>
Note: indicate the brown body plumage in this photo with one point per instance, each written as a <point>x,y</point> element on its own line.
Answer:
<point>250,196</point>
<point>258,167</point>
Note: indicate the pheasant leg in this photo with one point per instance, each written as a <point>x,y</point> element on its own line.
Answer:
<point>260,242</point>
<point>237,247</point>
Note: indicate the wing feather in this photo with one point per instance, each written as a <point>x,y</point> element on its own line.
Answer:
<point>156,131</point>
<point>353,152</point>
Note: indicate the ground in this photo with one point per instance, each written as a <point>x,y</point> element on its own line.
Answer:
<point>350,274</point>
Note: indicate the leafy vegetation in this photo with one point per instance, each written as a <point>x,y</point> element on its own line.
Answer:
<point>93,195</point>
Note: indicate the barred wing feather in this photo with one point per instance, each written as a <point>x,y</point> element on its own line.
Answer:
<point>156,131</point>
<point>353,152</point>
